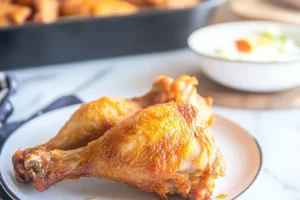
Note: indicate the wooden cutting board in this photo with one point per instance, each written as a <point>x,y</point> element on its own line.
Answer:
<point>227,97</point>
<point>274,10</point>
<point>294,3</point>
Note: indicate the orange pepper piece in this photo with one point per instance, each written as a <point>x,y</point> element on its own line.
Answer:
<point>243,46</point>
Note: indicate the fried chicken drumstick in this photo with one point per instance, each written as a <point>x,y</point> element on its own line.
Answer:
<point>13,14</point>
<point>166,4</point>
<point>163,149</point>
<point>97,8</point>
<point>93,119</point>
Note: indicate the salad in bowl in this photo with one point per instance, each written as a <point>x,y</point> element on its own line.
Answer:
<point>268,45</point>
<point>253,56</point>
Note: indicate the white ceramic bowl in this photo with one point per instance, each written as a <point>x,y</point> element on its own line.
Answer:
<point>243,75</point>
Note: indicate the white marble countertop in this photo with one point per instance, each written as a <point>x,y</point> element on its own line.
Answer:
<point>277,131</point>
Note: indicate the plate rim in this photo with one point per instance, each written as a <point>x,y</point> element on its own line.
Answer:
<point>259,148</point>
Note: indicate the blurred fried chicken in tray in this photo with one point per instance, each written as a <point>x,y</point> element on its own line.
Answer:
<point>173,3</point>
<point>96,8</point>
<point>13,14</point>
<point>48,11</point>
<point>44,11</point>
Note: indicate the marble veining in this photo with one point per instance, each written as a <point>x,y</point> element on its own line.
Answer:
<point>278,131</point>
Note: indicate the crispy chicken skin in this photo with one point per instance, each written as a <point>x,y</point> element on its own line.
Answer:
<point>139,3</point>
<point>24,2</point>
<point>181,89</point>
<point>173,3</point>
<point>13,14</point>
<point>97,8</point>
<point>45,11</point>
<point>48,11</point>
<point>93,119</point>
<point>168,4</point>
<point>113,7</point>
<point>163,149</point>
<point>88,123</point>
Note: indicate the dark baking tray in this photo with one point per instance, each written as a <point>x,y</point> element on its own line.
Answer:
<point>92,38</point>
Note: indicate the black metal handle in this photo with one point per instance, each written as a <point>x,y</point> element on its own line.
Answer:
<point>59,103</point>
<point>7,88</point>
<point>8,129</point>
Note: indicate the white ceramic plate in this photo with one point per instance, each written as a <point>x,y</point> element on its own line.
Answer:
<point>242,154</point>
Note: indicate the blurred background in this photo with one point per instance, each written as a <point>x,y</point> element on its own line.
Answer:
<point>51,48</point>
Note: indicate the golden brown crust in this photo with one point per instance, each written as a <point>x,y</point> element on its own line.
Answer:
<point>25,2</point>
<point>97,8</point>
<point>173,3</point>
<point>114,7</point>
<point>166,89</point>
<point>75,7</point>
<point>47,11</point>
<point>160,93</point>
<point>147,151</point>
<point>140,3</point>
<point>88,123</point>
<point>13,14</point>
<point>93,119</point>
<point>166,4</point>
